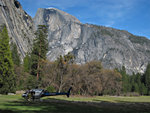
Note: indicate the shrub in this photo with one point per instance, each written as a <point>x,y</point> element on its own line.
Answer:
<point>50,89</point>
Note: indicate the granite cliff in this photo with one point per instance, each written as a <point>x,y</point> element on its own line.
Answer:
<point>114,48</point>
<point>19,25</point>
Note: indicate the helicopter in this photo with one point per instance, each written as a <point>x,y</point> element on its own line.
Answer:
<point>34,94</point>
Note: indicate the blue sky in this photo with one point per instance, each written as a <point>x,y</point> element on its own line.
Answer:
<point>130,15</point>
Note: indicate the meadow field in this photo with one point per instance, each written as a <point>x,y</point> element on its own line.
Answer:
<point>75,104</point>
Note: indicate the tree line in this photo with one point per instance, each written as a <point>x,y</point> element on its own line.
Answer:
<point>139,83</point>
<point>86,79</point>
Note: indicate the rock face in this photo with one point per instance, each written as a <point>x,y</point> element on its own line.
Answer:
<point>19,24</point>
<point>64,31</point>
<point>115,48</point>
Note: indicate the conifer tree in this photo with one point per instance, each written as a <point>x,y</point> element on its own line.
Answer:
<point>40,47</point>
<point>15,54</point>
<point>7,76</point>
<point>27,63</point>
<point>126,85</point>
<point>147,78</point>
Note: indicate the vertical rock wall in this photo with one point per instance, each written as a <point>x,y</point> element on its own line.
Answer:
<point>19,24</point>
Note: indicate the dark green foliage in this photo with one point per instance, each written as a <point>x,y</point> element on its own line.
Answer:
<point>40,47</point>
<point>15,54</point>
<point>135,81</point>
<point>41,43</point>
<point>27,63</point>
<point>143,89</point>
<point>7,76</point>
<point>50,89</point>
<point>106,32</point>
<point>138,39</point>
<point>146,78</point>
<point>126,86</point>
<point>31,82</point>
<point>22,78</point>
<point>132,83</point>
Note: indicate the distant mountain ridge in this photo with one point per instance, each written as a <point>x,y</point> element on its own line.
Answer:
<point>114,48</point>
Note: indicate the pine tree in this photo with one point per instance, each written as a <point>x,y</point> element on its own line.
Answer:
<point>143,89</point>
<point>40,47</point>
<point>27,63</point>
<point>7,76</point>
<point>146,77</point>
<point>15,54</point>
<point>125,81</point>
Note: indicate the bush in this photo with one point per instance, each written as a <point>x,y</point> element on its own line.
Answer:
<point>131,94</point>
<point>50,89</point>
<point>31,82</point>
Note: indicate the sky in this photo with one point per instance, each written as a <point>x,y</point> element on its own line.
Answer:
<point>130,15</point>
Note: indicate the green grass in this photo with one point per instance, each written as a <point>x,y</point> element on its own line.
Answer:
<point>76,104</point>
<point>114,99</point>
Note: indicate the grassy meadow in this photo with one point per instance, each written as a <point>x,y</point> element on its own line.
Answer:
<point>75,104</point>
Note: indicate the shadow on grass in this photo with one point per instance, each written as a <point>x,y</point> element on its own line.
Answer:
<point>62,106</point>
<point>6,111</point>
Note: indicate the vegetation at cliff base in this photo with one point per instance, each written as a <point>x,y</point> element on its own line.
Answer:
<point>15,55</point>
<point>39,50</point>
<point>7,76</point>
<point>135,84</point>
<point>86,79</point>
